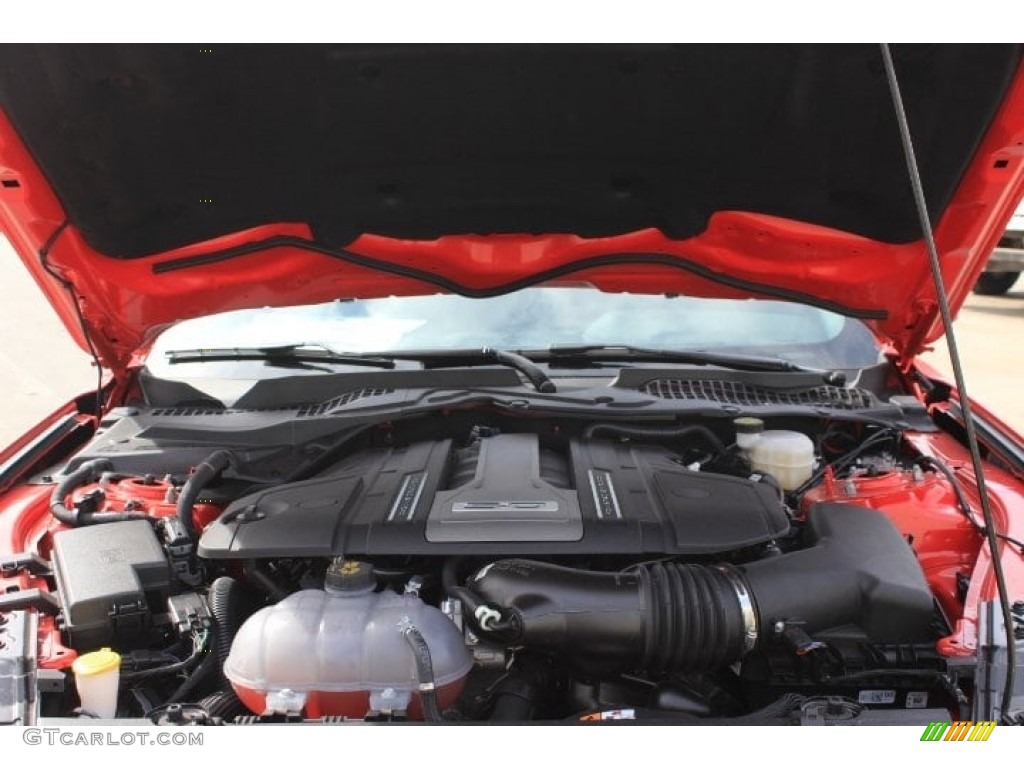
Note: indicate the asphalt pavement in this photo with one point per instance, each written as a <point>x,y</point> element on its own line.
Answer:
<point>41,368</point>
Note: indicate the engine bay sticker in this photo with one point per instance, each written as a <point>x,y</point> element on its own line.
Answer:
<point>917,700</point>
<point>877,697</point>
<point>605,500</point>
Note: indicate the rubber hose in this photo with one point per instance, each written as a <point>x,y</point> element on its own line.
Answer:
<point>533,372</point>
<point>199,674</point>
<point>224,704</point>
<point>667,617</point>
<point>225,602</point>
<point>207,471</point>
<point>654,433</point>
<point>470,600</point>
<point>515,699</point>
<point>88,472</point>
<point>425,673</point>
<point>452,587</point>
<point>450,573</point>
<point>958,489</point>
<point>226,608</point>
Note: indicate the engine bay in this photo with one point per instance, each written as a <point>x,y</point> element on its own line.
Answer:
<point>474,565</point>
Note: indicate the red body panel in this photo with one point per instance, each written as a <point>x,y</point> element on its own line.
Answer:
<point>1007,497</point>
<point>153,496</point>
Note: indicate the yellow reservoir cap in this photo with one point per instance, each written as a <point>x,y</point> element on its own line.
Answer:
<point>97,662</point>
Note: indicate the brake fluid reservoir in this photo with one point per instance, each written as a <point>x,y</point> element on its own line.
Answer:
<point>786,455</point>
<point>325,652</point>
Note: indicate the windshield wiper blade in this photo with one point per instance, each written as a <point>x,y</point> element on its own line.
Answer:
<point>691,357</point>
<point>316,352</point>
<point>285,353</point>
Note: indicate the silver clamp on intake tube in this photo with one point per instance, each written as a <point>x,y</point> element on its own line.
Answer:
<point>751,625</point>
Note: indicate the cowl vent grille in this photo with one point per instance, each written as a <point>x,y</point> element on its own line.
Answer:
<point>737,393</point>
<point>302,411</point>
<point>336,402</point>
<point>192,412</point>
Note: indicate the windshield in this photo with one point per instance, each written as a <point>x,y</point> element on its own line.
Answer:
<point>529,319</point>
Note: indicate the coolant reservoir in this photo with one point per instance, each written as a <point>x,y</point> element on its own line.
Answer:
<point>786,455</point>
<point>327,652</point>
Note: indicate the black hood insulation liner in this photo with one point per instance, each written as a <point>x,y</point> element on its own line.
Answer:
<point>153,147</point>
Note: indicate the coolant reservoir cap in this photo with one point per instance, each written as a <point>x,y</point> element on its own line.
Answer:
<point>96,662</point>
<point>748,425</point>
<point>350,576</point>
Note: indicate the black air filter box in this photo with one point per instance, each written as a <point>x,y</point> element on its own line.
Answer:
<point>108,576</point>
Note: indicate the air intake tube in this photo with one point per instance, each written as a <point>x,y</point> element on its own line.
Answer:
<point>857,578</point>
<point>667,617</point>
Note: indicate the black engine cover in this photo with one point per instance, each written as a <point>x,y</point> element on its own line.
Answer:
<point>507,496</point>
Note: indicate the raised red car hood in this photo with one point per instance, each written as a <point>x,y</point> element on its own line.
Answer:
<point>146,184</point>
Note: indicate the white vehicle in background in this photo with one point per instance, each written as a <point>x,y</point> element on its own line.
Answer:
<point>1007,260</point>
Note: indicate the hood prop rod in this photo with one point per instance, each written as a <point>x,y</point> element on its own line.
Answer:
<point>991,535</point>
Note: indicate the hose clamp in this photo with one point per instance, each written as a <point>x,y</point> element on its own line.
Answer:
<point>486,617</point>
<point>747,610</point>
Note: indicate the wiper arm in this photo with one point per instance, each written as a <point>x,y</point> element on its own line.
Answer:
<point>286,353</point>
<point>433,358</point>
<point>291,353</point>
<point>692,357</point>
